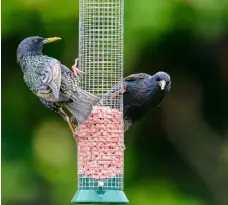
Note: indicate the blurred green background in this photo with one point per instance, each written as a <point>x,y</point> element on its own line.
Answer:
<point>177,155</point>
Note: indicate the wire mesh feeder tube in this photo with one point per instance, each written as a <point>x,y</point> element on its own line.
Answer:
<point>101,137</point>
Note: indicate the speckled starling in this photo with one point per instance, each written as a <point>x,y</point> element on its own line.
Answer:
<point>55,84</point>
<point>141,93</point>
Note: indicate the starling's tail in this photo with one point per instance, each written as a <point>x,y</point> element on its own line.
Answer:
<point>82,105</point>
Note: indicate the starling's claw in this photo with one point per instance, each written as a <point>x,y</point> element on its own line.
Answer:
<point>122,89</point>
<point>115,94</point>
<point>75,68</point>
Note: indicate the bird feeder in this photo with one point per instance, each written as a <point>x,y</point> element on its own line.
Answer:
<point>101,137</point>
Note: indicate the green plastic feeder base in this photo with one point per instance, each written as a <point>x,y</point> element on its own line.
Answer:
<point>94,197</point>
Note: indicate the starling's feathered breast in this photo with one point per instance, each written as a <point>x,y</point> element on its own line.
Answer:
<point>140,97</point>
<point>34,67</point>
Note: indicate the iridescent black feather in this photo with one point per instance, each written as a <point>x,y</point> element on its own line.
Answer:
<point>143,94</point>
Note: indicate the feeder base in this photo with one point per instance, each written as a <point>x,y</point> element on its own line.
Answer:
<point>93,197</point>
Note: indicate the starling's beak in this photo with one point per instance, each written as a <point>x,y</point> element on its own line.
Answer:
<point>49,40</point>
<point>162,84</point>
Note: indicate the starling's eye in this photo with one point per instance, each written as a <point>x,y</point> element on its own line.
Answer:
<point>158,78</point>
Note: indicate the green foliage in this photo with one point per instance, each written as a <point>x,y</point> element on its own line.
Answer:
<point>39,154</point>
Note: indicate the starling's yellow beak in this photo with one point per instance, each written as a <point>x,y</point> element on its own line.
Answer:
<point>49,40</point>
<point>162,84</point>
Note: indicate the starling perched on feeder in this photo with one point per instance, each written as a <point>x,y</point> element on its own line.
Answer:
<point>55,84</point>
<point>141,93</point>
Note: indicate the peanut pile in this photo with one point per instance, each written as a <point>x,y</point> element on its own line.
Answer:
<point>100,146</point>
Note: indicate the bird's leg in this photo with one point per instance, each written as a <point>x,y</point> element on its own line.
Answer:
<point>67,119</point>
<point>75,68</point>
<point>122,89</point>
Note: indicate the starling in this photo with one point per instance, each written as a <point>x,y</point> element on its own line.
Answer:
<point>55,84</point>
<point>141,93</point>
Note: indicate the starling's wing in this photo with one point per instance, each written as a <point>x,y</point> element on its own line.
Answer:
<point>51,81</point>
<point>70,80</point>
<point>132,77</point>
<point>136,76</point>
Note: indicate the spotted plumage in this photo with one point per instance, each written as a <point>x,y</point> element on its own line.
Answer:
<point>55,84</point>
